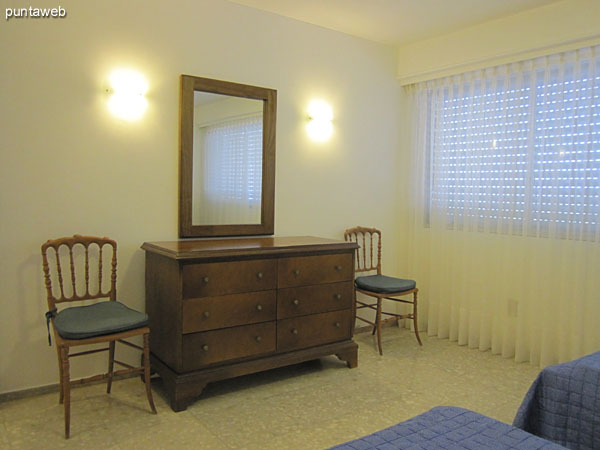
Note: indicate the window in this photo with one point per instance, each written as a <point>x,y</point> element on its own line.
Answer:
<point>229,158</point>
<point>516,148</point>
<point>233,160</point>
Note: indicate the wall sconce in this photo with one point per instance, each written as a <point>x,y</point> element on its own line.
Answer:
<point>320,115</point>
<point>127,89</point>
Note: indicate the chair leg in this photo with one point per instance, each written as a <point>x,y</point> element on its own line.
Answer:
<point>66,388</point>
<point>111,364</point>
<point>60,375</point>
<point>416,325</point>
<point>378,325</point>
<point>376,320</point>
<point>147,372</point>
<point>354,309</point>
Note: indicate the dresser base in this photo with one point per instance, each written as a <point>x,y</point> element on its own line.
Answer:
<point>182,388</point>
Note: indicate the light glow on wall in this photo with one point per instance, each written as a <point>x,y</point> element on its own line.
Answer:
<point>320,115</point>
<point>127,99</point>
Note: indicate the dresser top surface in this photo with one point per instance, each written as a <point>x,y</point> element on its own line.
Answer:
<point>195,248</point>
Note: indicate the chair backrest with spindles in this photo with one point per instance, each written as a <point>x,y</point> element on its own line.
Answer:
<point>367,259</point>
<point>79,281</point>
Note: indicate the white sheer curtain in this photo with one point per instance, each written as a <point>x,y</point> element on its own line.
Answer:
<point>230,163</point>
<point>505,207</point>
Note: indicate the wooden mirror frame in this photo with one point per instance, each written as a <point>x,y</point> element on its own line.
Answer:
<point>190,84</point>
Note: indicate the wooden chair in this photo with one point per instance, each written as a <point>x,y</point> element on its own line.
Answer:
<point>379,286</point>
<point>104,321</point>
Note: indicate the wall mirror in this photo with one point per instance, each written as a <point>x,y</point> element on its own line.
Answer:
<point>227,158</point>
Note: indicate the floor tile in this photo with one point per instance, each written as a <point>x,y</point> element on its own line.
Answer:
<point>313,405</point>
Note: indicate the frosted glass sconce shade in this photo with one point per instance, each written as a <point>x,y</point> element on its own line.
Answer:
<point>320,115</point>
<point>127,94</point>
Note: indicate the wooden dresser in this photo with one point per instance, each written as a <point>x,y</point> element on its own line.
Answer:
<point>221,308</point>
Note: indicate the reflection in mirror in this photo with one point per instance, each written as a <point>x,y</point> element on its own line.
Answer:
<point>227,161</point>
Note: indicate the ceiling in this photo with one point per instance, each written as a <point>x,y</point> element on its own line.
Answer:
<point>394,22</point>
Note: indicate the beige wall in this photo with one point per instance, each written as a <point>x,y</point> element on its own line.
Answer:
<point>68,167</point>
<point>548,29</point>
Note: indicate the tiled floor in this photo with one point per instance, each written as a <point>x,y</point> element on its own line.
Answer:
<point>309,406</point>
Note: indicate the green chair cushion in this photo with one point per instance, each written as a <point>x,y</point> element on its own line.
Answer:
<point>383,284</point>
<point>81,322</point>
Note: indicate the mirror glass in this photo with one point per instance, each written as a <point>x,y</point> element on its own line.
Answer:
<point>227,163</point>
<point>227,177</point>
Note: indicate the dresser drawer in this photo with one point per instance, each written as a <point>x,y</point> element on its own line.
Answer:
<point>301,301</point>
<point>307,270</point>
<point>308,331</point>
<point>210,313</point>
<point>212,279</point>
<point>208,347</point>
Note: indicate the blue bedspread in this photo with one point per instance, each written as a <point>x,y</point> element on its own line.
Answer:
<point>563,404</point>
<point>450,428</point>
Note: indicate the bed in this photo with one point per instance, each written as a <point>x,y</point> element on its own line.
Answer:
<point>563,404</point>
<point>561,409</point>
<point>449,428</point>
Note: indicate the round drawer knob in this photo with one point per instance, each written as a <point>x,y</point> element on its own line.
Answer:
<point>296,272</point>
<point>338,268</point>
<point>259,307</point>
<point>259,275</point>
<point>258,338</point>
<point>338,296</point>
<point>294,331</point>
<point>296,302</point>
<point>205,279</point>
<point>206,314</point>
<point>205,347</point>
<point>338,325</point>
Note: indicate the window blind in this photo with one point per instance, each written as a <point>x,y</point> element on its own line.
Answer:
<point>516,148</point>
<point>230,162</point>
<point>233,164</point>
